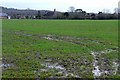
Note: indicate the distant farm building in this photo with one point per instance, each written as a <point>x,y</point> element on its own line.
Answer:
<point>4,16</point>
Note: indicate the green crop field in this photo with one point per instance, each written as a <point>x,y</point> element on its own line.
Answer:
<point>59,48</point>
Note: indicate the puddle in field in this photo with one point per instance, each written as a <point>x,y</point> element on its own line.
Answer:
<point>97,71</point>
<point>23,33</point>
<point>71,74</point>
<point>60,70</point>
<point>56,66</point>
<point>6,65</point>
<point>57,38</point>
<point>108,51</point>
<point>50,38</point>
<point>115,67</point>
<point>27,35</point>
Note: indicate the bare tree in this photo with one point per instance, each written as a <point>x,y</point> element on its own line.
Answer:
<point>117,10</point>
<point>106,11</point>
<point>71,9</point>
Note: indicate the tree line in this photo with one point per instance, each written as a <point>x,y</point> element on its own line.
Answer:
<point>72,13</point>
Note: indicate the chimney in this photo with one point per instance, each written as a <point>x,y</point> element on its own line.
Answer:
<point>54,10</point>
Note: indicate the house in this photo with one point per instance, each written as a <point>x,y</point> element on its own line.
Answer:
<point>4,16</point>
<point>51,14</point>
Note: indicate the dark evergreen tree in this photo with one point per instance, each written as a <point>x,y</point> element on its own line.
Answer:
<point>66,15</point>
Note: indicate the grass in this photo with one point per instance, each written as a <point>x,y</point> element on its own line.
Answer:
<point>30,43</point>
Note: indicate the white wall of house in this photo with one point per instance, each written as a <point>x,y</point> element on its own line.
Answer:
<point>4,16</point>
<point>9,17</point>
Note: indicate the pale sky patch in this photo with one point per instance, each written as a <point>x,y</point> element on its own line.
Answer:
<point>61,5</point>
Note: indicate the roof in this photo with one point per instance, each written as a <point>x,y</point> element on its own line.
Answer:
<point>3,14</point>
<point>50,13</point>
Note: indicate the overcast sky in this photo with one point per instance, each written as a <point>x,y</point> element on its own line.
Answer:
<point>61,5</point>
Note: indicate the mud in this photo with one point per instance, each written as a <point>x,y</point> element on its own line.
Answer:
<point>106,70</point>
<point>115,67</point>
<point>56,66</point>
<point>66,68</point>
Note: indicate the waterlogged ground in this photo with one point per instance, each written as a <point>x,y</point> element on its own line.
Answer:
<point>58,58</point>
<point>44,55</point>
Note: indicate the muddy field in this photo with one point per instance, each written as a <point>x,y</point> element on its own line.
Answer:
<point>59,49</point>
